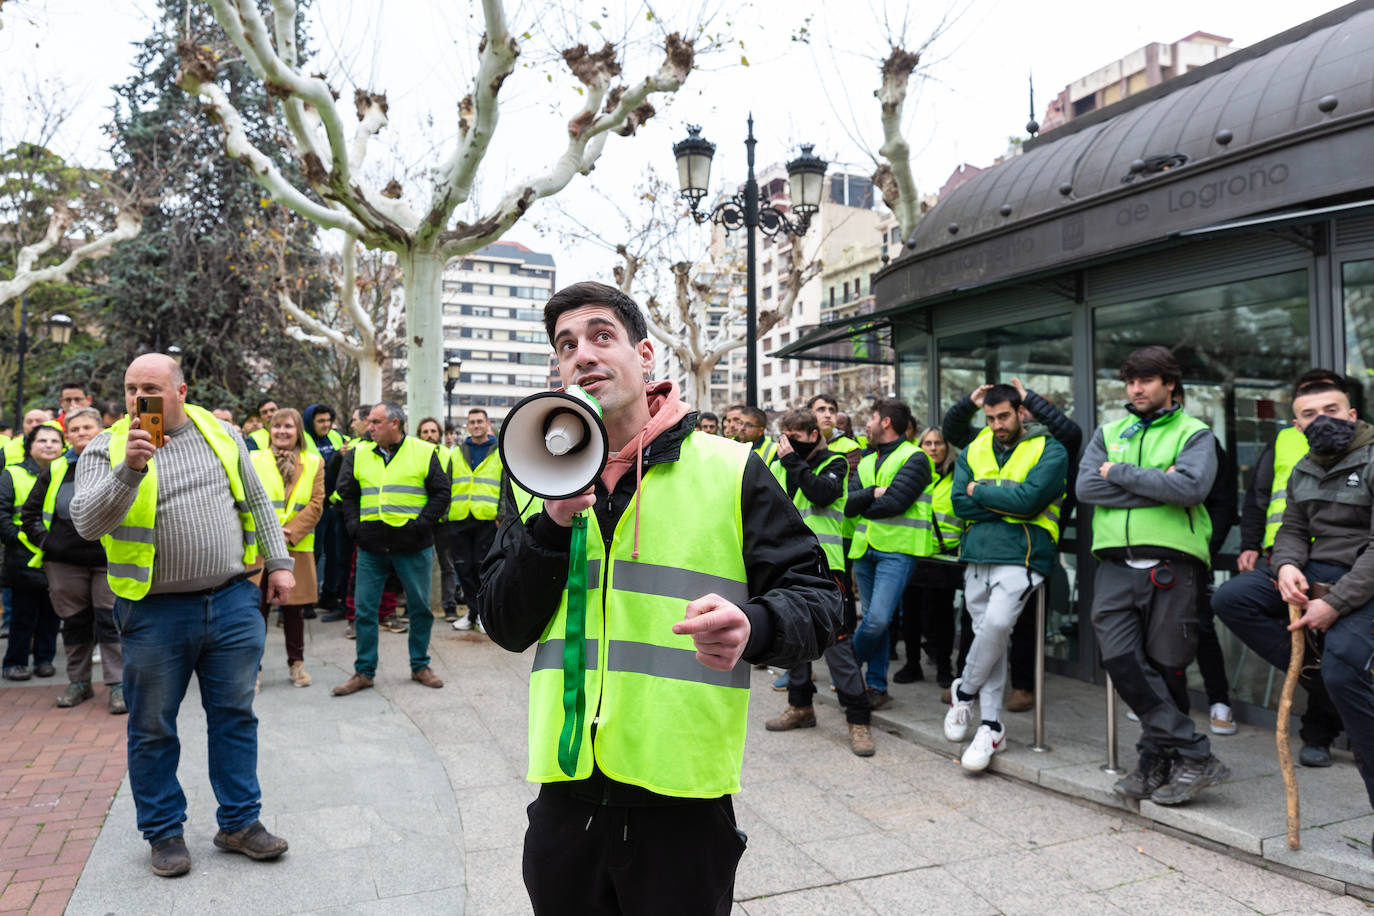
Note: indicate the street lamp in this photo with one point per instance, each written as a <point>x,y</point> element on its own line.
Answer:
<point>805,178</point>
<point>175,353</point>
<point>452,371</point>
<point>60,329</point>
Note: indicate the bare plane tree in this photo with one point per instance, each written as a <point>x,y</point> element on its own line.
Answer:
<point>128,223</point>
<point>335,196</point>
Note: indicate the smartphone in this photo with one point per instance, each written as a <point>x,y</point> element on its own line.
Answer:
<point>150,418</point>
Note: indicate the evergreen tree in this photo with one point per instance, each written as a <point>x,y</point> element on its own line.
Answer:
<point>201,274</point>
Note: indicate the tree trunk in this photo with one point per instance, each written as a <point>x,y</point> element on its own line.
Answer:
<point>422,275</point>
<point>370,376</point>
<point>701,388</point>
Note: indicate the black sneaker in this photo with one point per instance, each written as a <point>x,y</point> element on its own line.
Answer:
<point>1150,773</point>
<point>309,613</point>
<point>332,616</point>
<point>1188,778</point>
<point>909,674</point>
<point>879,699</point>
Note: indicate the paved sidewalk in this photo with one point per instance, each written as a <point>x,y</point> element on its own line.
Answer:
<point>59,769</point>
<point>403,800</point>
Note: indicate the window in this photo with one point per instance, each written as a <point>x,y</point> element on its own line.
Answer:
<point>1358,278</point>
<point>1240,345</point>
<point>846,291</point>
<point>767,293</point>
<point>786,338</point>
<point>785,392</point>
<point>832,297</point>
<point>767,368</point>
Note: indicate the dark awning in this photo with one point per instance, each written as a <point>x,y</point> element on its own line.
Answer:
<point>861,339</point>
<point>1278,220</point>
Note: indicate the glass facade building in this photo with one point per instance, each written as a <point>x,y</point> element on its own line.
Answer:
<point>1249,253</point>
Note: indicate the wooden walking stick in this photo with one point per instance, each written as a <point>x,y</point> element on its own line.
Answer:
<point>1290,682</point>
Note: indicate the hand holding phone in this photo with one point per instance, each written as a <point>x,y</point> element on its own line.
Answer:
<point>150,418</point>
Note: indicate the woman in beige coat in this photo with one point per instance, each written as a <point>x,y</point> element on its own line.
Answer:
<point>294,480</point>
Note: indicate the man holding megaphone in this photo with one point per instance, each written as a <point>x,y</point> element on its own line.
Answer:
<point>649,589</point>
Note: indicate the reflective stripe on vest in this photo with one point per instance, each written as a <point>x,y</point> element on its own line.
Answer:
<point>1289,448</point>
<point>392,492</point>
<point>826,522</point>
<point>288,507</point>
<point>949,527</point>
<point>57,472</point>
<point>642,681</point>
<point>907,533</point>
<point>1183,528</point>
<point>767,449</point>
<point>476,491</point>
<point>129,549</point>
<point>982,463</point>
<point>24,481</point>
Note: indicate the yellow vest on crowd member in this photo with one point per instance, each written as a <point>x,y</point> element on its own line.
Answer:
<point>982,464</point>
<point>57,471</point>
<point>23,486</point>
<point>129,549</point>
<point>843,445</point>
<point>262,438</point>
<point>1289,448</point>
<point>392,491</point>
<point>476,491</point>
<point>767,449</point>
<point>949,527</point>
<point>14,451</point>
<point>289,506</point>
<point>907,533</point>
<point>333,436</point>
<point>664,721</point>
<point>826,522</point>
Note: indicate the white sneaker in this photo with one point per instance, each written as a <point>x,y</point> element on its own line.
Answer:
<point>986,742</point>
<point>463,623</point>
<point>1223,721</point>
<point>960,716</point>
<point>481,629</point>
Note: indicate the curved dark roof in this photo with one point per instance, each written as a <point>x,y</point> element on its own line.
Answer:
<point>1255,97</point>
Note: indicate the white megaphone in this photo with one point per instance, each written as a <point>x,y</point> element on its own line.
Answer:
<point>553,444</point>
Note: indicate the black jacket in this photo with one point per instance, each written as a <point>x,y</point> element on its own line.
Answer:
<point>911,481</point>
<point>821,488</point>
<point>17,556</point>
<point>60,543</point>
<point>1221,500</point>
<point>379,537</point>
<point>794,605</point>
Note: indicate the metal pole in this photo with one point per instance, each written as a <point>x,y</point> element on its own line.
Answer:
<point>1040,746</point>
<point>1111,766</point>
<point>751,321</point>
<point>19,375</point>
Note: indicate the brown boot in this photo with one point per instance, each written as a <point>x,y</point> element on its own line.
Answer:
<point>1020,700</point>
<point>253,841</point>
<point>427,677</point>
<point>793,717</point>
<point>860,740</point>
<point>299,677</point>
<point>353,685</point>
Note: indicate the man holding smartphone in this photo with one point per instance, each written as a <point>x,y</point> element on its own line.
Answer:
<point>180,531</point>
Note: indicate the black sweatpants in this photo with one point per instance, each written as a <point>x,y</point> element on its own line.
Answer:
<point>585,859</point>
<point>471,540</point>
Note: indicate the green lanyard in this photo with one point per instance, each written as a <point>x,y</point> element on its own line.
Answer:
<point>575,651</point>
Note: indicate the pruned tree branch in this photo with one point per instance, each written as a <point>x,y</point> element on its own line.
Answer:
<point>893,178</point>
<point>128,224</point>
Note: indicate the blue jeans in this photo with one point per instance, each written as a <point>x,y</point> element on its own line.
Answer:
<point>413,569</point>
<point>881,578</point>
<point>220,637</point>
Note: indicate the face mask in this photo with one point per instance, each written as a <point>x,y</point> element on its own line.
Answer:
<point>801,446</point>
<point>1328,435</point>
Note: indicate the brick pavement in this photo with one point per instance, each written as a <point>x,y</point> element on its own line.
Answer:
<point>59,771</point>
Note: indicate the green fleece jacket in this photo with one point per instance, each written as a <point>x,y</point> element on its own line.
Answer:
<point>989,538</point>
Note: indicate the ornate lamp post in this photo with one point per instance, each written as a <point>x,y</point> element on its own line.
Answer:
<point>58,329</point>
<point>452,371</point>
<point>175,353</point>
<point>806,183</point>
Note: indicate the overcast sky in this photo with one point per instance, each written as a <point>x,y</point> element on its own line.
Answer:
<point>422,53</point>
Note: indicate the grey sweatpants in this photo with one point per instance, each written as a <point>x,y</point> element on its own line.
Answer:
<point>995,596</point>
<point>1146,634</point>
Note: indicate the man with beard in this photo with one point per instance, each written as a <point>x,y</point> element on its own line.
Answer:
<point>1147,475</point>
<point>1008,487</point>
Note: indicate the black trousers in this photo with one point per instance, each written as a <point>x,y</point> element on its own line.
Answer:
<point>585,859</point>
<point>471,540</point>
